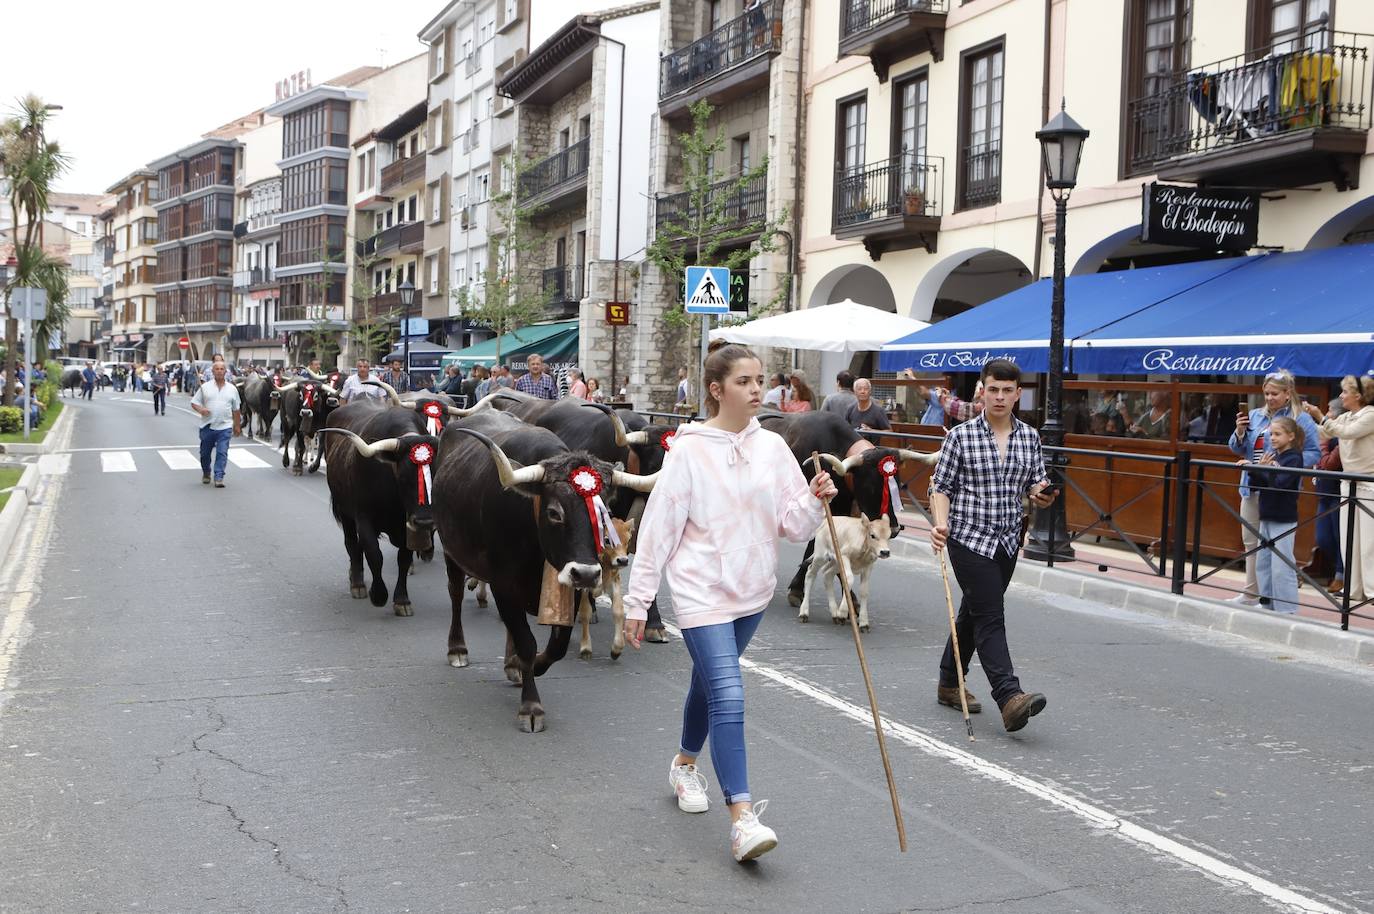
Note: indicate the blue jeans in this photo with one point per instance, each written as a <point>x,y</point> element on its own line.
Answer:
<point>218,440</point>
<point>1329,525</point>
<point>715,701</point>
<point>1277,578</point>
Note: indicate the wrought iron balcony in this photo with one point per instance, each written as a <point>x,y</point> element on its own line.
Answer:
<point>724,64</point>
<point>737,206</point>
<point>980,175</point>
<point>888,30</point>
<point>1285,116</point>
<point>891,205</point>
<point>556,178</point>
<point>402,172</point>
<point>563,285</point>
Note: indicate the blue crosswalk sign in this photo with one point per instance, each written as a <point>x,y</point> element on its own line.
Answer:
<point>708,290</point>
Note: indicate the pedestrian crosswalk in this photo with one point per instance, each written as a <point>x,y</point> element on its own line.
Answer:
<point>134,460</point>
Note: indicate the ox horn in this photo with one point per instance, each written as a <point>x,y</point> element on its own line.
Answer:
<point>385,445</point>
<point>621,436</point>
<point>930,459</point>
<point>851,462</point>
<point>477,407</point>
<point>637,438</point>
<point>317,377</point>
<point>509,475</point>
<point>390,391</point>
<point>835,463</point>
<point>633,481</point>
<point>285,387</point>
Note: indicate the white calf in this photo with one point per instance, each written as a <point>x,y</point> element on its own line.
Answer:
<point>613,560</point>
<point>861,543</point>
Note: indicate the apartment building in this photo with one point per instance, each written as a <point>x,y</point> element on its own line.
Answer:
<point>130,248</point>
<point>923,175</point>
<point>253,335</point>
<point>195,248</point>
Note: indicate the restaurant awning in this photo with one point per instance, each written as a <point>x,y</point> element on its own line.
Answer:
<point>1310,312</point>
<point>845,326</point>
<point>1306,311</point>
<point>556,342</point>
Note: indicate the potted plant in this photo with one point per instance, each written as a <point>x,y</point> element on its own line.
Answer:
<point>913,201</point>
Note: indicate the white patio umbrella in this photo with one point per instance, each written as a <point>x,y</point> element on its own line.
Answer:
<point>845,326</point>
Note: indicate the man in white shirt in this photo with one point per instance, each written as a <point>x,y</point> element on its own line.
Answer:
<point>217,403</point>
<point>777,392</point>
<point>355,388</point>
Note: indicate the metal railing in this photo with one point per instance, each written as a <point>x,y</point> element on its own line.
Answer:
<point>757,31</point>
<point>1319,80</point>
<point>861,15</point>
<point>562,285</point>
<point>401,235</point>
<point>904,185</point>
<point>250,333</point>
<point>402,172</point>
<point>255,276</point>
<point>562,166</point>
<point>981,174</point>
<point>678,213</point>
<point>259,221</point>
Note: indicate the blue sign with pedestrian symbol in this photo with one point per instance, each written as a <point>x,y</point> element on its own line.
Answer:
<point>708,290</point>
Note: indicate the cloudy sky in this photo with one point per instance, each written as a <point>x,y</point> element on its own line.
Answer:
<point>134,88</point>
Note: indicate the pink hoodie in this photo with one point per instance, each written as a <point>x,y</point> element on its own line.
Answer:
<point>712,524</point>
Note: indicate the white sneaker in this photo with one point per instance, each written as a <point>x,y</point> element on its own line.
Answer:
<point>750,838</point>
<point>690,787</point>
<point>1245,599</point>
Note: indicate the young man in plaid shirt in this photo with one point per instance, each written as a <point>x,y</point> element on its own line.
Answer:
<point>986,466</point>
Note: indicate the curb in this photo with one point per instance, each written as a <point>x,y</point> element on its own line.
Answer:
<point>12,515</point>
<point>19,449</point>
<point>1257,625</point>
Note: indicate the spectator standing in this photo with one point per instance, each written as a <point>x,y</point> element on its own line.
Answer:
<point>799,399</point>
<point>594,392</point>
<point>217,403</point>
<point>865,413</point>
<point>88,381</point>
<point>1355,429</point>
<point>503,379</point>
<point>397,377</point>
<point>683,398</point>
<point>843,399</point>
<point>1251,440</point>
<point>313,368</point>
<point>577,388</point>
<point>159,384</point>
<point>1278,513</point>
<point>355,387</point>
<point>777,393</point>
<point>1328,503</point>
<point>537,382</point>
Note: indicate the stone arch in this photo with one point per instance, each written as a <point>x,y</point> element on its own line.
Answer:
<point>859,282</point>
<point>1091,260</point>
<point>1358,216</point>
<point>967,279</point>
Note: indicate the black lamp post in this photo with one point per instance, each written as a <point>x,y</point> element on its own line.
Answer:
<point>407,293</point>
<point>1061,145</point>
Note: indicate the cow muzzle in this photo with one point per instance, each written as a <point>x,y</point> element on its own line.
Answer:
<point>420,536</point>
<point>576,574</point>
<point>307,413</point>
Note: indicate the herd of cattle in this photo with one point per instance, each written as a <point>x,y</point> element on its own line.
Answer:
<point>515,484</point>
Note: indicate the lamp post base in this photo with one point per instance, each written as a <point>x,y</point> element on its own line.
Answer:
<point>1038,540</point>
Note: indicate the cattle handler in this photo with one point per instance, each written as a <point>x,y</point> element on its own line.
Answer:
<point>986,466</point>
<point>217,404</point>
<point>728,489</point>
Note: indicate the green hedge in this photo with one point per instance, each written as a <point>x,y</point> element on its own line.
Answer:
<point>11,419</point>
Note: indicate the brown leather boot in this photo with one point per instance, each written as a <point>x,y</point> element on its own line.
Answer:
<point>949,696</point>
<point>1020,708</point>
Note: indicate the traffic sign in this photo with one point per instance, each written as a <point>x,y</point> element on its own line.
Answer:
<point>708,290</point>
<point>618,313</point>
<point>184,344</point>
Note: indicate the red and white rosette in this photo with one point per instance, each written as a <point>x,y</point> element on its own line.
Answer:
<point>887,467</point>
<point>434,418</point>
<point>666,439</point>
<point>422,455</point>
<point>588,483</point>
<point>308,396</point>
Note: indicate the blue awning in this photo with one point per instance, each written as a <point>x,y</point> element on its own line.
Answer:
<point>1016,326</point>
<point>1311,312</point>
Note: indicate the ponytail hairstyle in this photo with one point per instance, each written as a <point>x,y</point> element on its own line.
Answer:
<point>1290,425</point>
<point>720,360</point>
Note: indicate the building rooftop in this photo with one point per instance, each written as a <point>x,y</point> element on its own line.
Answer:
<point>88,204</point>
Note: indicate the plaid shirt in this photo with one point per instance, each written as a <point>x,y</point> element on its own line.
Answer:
<point>986,493</point>
<point>544,387</point>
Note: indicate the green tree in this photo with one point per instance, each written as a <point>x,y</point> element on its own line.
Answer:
<point>512,294</point>
<point>29,164</point>
<point>710,228</point>
<point>322,339</point>
<point>369,329</point>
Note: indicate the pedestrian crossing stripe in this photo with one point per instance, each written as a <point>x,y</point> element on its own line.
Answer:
<point>117,462</point>
<point>710,290</point>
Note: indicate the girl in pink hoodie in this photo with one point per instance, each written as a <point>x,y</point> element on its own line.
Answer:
<point>728,489</point>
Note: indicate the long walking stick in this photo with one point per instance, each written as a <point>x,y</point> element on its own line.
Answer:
<point>958,657</point>
<point>863,664</point>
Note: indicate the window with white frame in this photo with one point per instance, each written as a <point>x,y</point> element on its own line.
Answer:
<point>487,31</point>
<point>512,10</point>
<point>436,200</point>
<point>460,272</point>
<point>488,98</point>
<point>481,187</point>
<point>432,269</point>
<point>438,47</point>
<point>412,208</point>
<point>479,264</point>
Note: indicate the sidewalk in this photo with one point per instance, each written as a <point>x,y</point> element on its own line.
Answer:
<point>1099,574</point>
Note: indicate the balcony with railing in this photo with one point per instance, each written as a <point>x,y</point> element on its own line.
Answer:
<point>258,222</point>
<point>248,334</point>
<point>888,30</point>
<point>723,65</point>
<point>980,175</point>
<point>382,306</point>
<point>563,290</point>
<point>256,277</point>
<point>402,172</point>
<point>561,179</point>
<point>1284,116</point>
<point>892,205</point>
<point>726,205</point>
<point>404,238</point>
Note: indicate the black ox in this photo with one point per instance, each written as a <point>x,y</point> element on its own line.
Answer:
<point>497,473</point>
<point>305,407</point>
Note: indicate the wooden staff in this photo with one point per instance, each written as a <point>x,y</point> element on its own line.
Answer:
<point>958,657</point>
<point>863,664</point>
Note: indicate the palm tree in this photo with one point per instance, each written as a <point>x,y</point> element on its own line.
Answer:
<point>30,164</point>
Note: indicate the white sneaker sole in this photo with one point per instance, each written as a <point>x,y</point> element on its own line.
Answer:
<point>691,806</point>
<point>755,850</point>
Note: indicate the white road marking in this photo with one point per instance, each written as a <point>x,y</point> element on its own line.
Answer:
<point>151,447</point>
<point>117,462</point>
<point>54,464</point>
<point>245,459</point>
<point>1093,815</point>
<point>180,460</point>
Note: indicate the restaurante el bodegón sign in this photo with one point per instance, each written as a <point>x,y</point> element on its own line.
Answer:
<point>1194,217</point>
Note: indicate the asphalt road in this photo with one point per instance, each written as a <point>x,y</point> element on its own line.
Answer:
<point>194,715</point>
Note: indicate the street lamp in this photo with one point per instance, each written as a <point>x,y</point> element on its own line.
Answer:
<point>407,293</point>
<point>1061,147</point>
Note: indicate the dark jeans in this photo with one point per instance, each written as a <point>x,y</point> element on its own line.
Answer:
<point>159,399</point>
<point>87,390</point>
<point>1329,525</point>
<point>216,440</point>
<point>981,622</point>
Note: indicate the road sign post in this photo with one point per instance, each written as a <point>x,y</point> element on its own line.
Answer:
<point>184,343</point>
<point>32,305</point>
<point>708,292</point>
